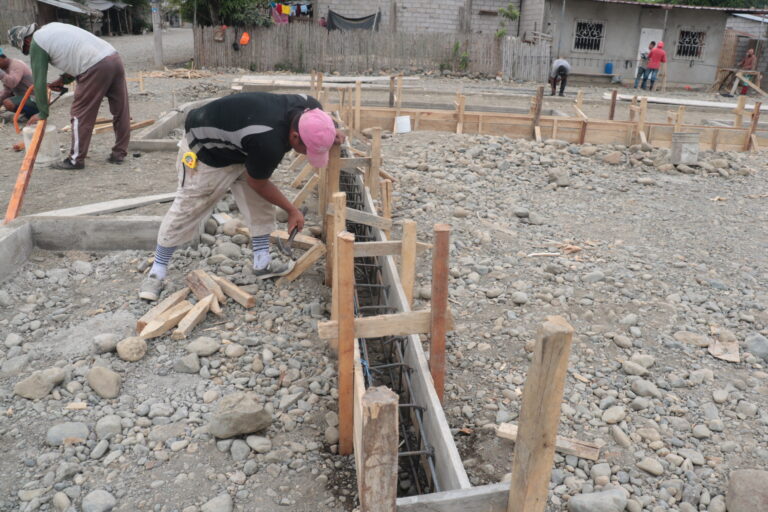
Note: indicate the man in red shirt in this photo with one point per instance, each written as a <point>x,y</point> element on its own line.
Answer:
<point>748,62</point>
<point>655,58</point>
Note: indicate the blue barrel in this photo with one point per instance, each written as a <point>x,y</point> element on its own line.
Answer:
<point>609,68</point>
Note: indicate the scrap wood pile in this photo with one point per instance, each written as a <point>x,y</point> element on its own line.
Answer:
<point>177,73</point>
<point>177,313</point>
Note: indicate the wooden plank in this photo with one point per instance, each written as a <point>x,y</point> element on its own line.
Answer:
<point>539,417</point>
<point>679,118</point>
<point>346,334</point>
<point>537,133</point>
<point>358,104</point>
<point>166,320</point>
<point>303,175</point>
<point>369,219</point>
<point>336,223</point>
<point>25,171</point>
<point>715,136</point>
<point>538,103</point>
<point>357,431</point>
<point>116,205</point>
<point>460,114</point>
<point>380,439</point>
<point>483,498</point>
<point>386,204</point>
<point>680,101</point>
<point>303,263</point>
<point>583,132</point>
<point>203,285</point>
<point>388,248</point>
<point>349,163</point>
<point>297,162</point>
<point>233,291</point>
<point>161,308</point>
<point>408,259</point>
<point>439,317</point>
<point>300,241</point>
<point>394,324</point>
<point>738,120</point>
<point>755,145</point>
<point>751,84</point>
<point>193,318</point>
<point>134,126</point>
<point>566,445</point>
<point>306,191</point>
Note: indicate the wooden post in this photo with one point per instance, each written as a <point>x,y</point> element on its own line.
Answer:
<point>330,183</point>
<point>373,171</point>
<point>679,118</point>
<point>612,112</point>
<point>537,110</point>
<point>664,78</point>
<point>358,105</point>
<point>319,82</point>
<point>632,108</point>
<point>408,259</point>
<point>335,225</point>
<point>25,173</point>
<point>738,120</point>
<point>539,417</point>
<point>580,99</point>
<point>752,126</point>
<point>439,321</point>
<point>346,283</point>
<point>641,118</point>
<point>141,81</point>
<point>391,91</point>
<point>461,100</point>
<point>380,438</point>
<point>715,137</point>
<point>386,202</point>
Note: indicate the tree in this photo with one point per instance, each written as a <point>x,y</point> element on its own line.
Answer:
<point>508,13</point>
<point>239,13</point>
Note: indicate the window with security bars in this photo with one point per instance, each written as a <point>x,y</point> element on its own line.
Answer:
<point>690,44</point>
<point>589,36</point>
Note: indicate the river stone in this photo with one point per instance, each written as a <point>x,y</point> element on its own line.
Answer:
<point>104,382</point>
<point>187,364</point>
<point>108,426</point>
<point>259,444</point>
<point>613,158</point>
<point>652,466</point>
<point>106,342</point>
<point>614,414</point>
<point>132,349</point>
<point>221,503</point>
<point>612,500</point>
<point>757,345</point>
<point>204,346</point>
<point>747,491</point>
<point>228,249</point>
<point>239,413</point>
<point>69,432</point>
<point>39,384</point>
<point>99,501</point>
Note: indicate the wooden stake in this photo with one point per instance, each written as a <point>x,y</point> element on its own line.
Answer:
<point>372,175</point>
<point>386,203</point>
<point>297,162</point>
<point>237,294</point>
<point>715,137</point>
<point>358,105</point>
<point>539,417</point>
<point>679,118</point>
<point>408,259</point>
<point>438,329</point>
<point>346,285</point>
<point>566,445</point>
<point>380,439</point>
<point>141,81</point>
<point>25,172</point>
<point>379,326</point>
<point>738,120</point>
<point>461,101</point>
<point>580,99</point>
<point>752,126</point>
<point>202,285</point>
<point>166,321</point>
<point>336,224</point>
<point>641,118</point>
<point>193,318</point>
<point>538,102</point>
<point>612,111</point>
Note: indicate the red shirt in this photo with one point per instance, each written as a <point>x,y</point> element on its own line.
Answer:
<point>656,57</point>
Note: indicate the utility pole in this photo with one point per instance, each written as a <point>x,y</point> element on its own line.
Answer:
<point>157,28</point>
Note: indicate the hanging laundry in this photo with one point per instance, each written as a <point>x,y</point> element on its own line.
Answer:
<point>304,9</point>
<point>285,9</point>
<point>293,10</point>
<point>278,17</point>
<point>245,39</point>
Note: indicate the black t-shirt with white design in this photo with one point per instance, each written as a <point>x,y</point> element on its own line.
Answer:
<point>250,128</point>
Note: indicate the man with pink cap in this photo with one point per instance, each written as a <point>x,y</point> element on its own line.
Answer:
<point>236,143</point>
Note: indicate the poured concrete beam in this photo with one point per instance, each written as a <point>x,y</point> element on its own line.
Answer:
<point>116,205</point>
<point>485,498</point>
<point>16,245</point>
<point>95,233</point>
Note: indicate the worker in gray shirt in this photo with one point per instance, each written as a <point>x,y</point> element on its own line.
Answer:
<point>560,70</point>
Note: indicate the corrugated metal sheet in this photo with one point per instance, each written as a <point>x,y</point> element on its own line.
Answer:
<point>71,6</point>
<point>677,6</point>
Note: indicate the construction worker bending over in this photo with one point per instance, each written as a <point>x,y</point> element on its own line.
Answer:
<point>236,143</point>
<point>559,72</point>
<point>99,72</point>
<point>16,78</point>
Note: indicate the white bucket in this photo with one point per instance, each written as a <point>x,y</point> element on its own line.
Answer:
<point>402,124</point>
<point>49,149</point>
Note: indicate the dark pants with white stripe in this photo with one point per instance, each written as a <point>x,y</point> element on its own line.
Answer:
<point>105,78</point>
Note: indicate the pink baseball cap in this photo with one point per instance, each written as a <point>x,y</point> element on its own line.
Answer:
<point>318,133</point>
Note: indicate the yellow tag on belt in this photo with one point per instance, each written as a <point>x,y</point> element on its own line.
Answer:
<point>190,159</point>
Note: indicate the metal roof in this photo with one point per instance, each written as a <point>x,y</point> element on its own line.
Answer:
<point>761,19</point>
<point>679,6</point>
<point>71,5</point>
<point>103,5</point>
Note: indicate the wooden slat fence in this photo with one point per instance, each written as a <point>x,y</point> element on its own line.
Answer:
<point>303,47</point>
<point>523,61</point>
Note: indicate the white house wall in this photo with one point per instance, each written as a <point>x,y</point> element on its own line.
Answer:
<point>623,24</point>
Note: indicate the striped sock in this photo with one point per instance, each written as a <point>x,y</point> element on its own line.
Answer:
<point>162,258</point>
<point>260,245</point>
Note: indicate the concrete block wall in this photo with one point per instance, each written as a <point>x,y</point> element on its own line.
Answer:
<point>532,18</point>
<point>424,15</point>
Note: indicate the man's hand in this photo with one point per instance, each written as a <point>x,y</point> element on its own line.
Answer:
<point>33,120</point>
<point>56,85</point>
<point>340,137</point>
<point>295,220</point>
